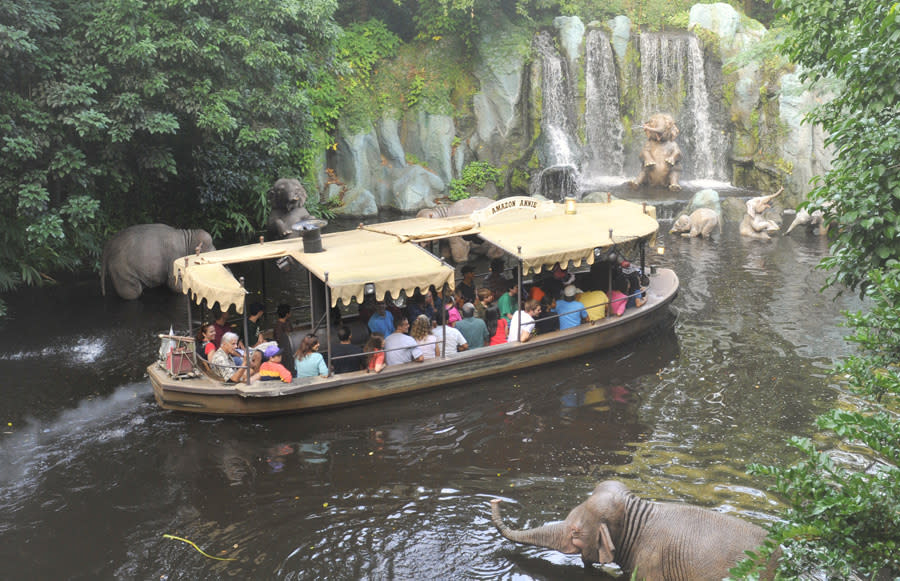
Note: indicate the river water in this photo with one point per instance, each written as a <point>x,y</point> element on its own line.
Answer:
<point>93,474</point>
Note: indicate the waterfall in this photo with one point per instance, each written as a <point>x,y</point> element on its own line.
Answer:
<point>558,152</point>
<point>673,81</point>
<point>602,123</point>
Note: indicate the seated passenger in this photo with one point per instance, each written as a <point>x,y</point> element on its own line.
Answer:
<point>340,352</point>
<point>381,321</point>
<point>596,303</point>
<point>495,281</point>
<point>521,327</point>
<point>272,369</point>
<point>256,360</point>
<point>422,303</point>
<point>473,329</point>
<point>571,312</point>
<point>508,303</point>
<point>450,309</point>
<point>375,349</point>
<point>206,340</point>
<point>496,325</point>
<point>618,297</point>
<point>400,347</point>
<point>308,361</point>
<point>546,321</point>
<point>455,341</point>
<point>421,332</point>
<point>467,286</point>
<point>484,299</point>
<point>222,362</point>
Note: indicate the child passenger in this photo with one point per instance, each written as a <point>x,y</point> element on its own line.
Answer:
<point>272,369</point>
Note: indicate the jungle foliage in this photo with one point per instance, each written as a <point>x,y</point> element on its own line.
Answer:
<point>846,519</point>
<point>114,113</point>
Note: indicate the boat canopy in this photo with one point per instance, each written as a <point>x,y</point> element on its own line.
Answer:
<point>388,255</point>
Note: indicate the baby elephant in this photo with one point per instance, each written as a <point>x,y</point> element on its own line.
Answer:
<point>657,541</point>
<point>701,222</point>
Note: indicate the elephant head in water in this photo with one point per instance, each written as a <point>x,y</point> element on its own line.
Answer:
<point>661,156</point>
<point>658,541</point>
<point>814,220</point>
<point>141,256</point>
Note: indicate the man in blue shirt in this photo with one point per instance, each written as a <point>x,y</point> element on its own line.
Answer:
<point>571,312</point>
<point>382,321</point>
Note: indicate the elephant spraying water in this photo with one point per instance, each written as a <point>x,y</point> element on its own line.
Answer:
<point>657,541</point>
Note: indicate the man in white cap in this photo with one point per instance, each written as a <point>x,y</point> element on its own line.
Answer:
<point>571,312</point>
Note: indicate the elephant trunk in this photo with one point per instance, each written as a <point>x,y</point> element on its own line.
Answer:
<point>552,536</point>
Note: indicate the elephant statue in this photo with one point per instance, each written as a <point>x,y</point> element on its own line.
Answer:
<point>141,256</point>
<point>657,541</point>
<point>754,225</point>
<point>288,199</point>
<point>459,247</point>
<point>701,222</point>
<point>660,156</point>
<point>816,220</point>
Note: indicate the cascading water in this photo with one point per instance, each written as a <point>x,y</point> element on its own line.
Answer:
<point>673,81</point>
<point>605,154</point>
<point>558,151</point>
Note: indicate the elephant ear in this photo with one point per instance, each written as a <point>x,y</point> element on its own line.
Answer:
<point>607,549</point>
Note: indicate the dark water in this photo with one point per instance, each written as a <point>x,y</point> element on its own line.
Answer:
<point>92,474</point>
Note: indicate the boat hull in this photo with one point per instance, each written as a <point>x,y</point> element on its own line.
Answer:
<point>206,396</point>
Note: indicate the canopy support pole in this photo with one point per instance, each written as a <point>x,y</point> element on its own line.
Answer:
<point>246,364</point>
<point>519,294</point>
<point>327,320</point>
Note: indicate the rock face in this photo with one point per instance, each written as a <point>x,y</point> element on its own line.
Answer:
<point>576,104</point>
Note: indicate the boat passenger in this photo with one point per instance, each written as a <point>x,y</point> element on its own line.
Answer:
<point>345,356</point>
<point>467,286</point>
<point>546,321</point>
<point>571,312</point>
<point>495,281</point>
<point>521,327</point>
<point>308,362</point>
<point>455,341</point>
<point>283,326</point>
<point>484,298</point>
<point>256,361</point>
<point>496,325</point>
<point>421,332</point>
<point>220,322</point>
<point>453,315</point>
<point>375,349</point>
<point>381,321</point>
<point>206,337</point>
<point>618,297</point>
<point>596,303</point>
<point>400,347</point>
<point>272,369</point>
<point>472,328</point>
<point>255,314</point>
<point>507,304</point>
<point>422,303</point>
<point>223,359</point>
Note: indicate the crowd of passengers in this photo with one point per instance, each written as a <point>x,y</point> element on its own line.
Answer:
<point>473,317</point>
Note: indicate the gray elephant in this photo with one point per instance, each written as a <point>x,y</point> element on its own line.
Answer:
<point>141,256</point>
<point>288,199</point>
<point>657,541</point>
<point>816,220</point>
<point>754,224</point>
<point>661,156</point>
<point>701,222</point>
<point>458,246</point>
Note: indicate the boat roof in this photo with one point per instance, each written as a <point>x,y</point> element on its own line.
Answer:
<point>537,233</point>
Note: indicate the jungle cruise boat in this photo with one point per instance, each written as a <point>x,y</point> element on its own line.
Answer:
<point>392,261</point>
